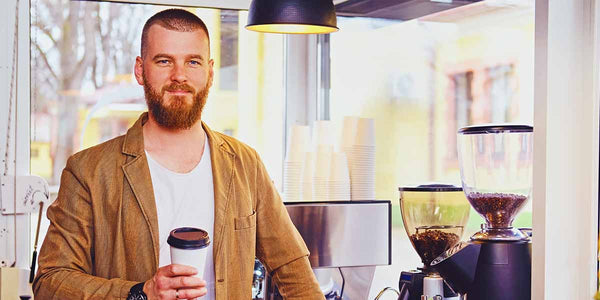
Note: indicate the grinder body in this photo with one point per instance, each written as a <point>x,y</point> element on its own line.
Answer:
<point>490,270</point>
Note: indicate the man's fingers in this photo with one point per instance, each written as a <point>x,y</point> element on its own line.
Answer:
<point>187,282</point>
<point>177,270</point>
<point>192,293</point>
<point>172,278</point>
<point>166,283</point>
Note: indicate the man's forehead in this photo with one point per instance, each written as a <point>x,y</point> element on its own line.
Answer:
<point>161,39</point>
<point>158,27</point>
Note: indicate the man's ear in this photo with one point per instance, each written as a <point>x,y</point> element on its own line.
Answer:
<point>138,70</point>
<point>211,71</point>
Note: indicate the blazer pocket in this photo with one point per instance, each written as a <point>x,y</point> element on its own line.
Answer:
<point>245,222</point>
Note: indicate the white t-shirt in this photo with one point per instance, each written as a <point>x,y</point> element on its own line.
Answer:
<point>185,200</point>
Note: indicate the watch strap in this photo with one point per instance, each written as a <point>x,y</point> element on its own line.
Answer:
<point>137,292</point>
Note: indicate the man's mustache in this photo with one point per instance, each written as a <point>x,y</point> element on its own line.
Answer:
<point>178,87</point>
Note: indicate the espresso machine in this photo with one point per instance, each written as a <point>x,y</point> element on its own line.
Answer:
<point>346,240</point>
<point>434,217</point>
<point>496,172</point>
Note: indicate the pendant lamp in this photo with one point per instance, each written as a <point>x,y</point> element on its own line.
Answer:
<point>292,16</point>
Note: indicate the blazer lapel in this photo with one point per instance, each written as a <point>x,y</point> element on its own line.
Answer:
<point>138,175</point>
<point>222,160</point>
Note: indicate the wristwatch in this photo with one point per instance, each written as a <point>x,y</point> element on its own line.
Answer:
<point>137,292</point>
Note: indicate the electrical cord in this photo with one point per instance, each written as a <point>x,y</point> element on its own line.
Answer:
<point>385,290</point>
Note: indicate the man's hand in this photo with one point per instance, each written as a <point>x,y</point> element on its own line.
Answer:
<point>175,282</point>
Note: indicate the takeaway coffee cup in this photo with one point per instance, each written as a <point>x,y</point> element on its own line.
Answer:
<point>189,246</point>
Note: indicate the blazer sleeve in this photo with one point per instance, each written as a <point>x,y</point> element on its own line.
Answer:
<point>66,259</point>
<point>279,245</point>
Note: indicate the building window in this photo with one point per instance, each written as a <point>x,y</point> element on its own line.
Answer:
<point>468,66</point>
<point>460,102</point>
<point>84,92</point>
<point>228,74</point>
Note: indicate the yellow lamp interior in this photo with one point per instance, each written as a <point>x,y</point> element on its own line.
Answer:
<point>291,28</point>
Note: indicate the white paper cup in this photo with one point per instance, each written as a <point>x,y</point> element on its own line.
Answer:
<point>365,132</point>
<point>189,246</point>
<point>322,167</point>
<point>322,134</point>
<point>298,143</point>
<point>339,167</point>
<point>349,132</point>
<point>307,177</point>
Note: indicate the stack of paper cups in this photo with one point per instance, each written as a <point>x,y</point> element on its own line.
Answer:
<point>307,176</point>
<point>348,134</point>
<point>298,143</point>
<point>322,134</point>
<point>322,171</point>
<point>339,178</point>
<point>362,161</point>
<point>347,141</point>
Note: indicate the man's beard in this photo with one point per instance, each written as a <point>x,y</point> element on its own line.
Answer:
<point>178,114</point>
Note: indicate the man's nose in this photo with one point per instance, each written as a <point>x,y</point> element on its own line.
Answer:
<point>178,74</point>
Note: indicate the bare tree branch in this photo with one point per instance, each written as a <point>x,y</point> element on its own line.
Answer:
<point>50,90</point>
<point>44,29</point>
<point>68,44</point>
<point>94,73</point>
<point>89,46</point>
<point>107,41</point>
<point>45,60</point>
<point>54,9</point>
<point>88,38</point>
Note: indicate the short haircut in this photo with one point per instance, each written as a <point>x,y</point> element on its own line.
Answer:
<point>173,19</point>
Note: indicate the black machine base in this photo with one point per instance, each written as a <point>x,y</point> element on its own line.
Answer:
<point>488,270</point>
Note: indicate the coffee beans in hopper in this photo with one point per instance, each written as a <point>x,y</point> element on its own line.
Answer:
<point>432,242</point>
<point>498,209</point>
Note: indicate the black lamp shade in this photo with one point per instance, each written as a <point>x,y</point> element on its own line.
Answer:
<point>292,16</point>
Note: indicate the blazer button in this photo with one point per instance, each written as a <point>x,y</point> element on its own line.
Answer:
<point>221,280</point>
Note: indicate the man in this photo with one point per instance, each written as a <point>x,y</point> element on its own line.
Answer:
<point>119,200</point>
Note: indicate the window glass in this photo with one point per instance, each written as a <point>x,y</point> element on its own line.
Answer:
<point>229,49</point>
<point>422,80</point>
<point>84,92</point>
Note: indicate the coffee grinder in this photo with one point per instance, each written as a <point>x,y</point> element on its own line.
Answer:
<point>496,172</point>
<point>434,217</point>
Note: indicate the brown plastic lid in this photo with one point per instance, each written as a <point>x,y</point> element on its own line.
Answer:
<point>188,238</point>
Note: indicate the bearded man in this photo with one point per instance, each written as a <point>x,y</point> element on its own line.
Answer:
<point>119,200</point>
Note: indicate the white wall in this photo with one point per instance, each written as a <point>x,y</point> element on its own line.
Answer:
<point>565,187</point>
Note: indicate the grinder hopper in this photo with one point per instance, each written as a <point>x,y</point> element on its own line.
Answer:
<point>434,217</point>
<point>496,163</point>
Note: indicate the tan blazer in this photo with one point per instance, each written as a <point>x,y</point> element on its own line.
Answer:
<point>103,234</point>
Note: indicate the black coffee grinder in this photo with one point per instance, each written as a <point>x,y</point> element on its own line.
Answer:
<point>496,173</point>
<point>434,217</point>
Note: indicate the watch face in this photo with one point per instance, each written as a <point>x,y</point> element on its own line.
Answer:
<point>137,296</point>
<point>137,292</point>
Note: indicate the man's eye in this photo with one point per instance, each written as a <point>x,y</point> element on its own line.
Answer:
<point>195,63</point>
<point>162,61</point>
